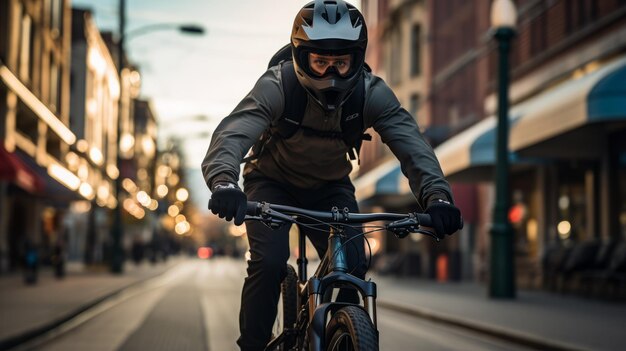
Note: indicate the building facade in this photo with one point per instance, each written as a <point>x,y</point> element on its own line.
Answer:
<point>398,52</point>
<point>566,127</point>
<point>567,124</point>
<point>35,41</point>
<point>63,108</point>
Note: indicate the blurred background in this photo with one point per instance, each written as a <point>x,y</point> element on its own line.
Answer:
<point>107,108</point>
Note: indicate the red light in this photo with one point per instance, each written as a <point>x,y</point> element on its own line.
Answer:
<point>205,253</point>
<point>516,213</point>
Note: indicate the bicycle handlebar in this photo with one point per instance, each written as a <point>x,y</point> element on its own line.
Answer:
<point>401,224</point>
<point>262,208</point>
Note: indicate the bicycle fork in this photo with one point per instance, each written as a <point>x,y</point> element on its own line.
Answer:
<point>337,268</point>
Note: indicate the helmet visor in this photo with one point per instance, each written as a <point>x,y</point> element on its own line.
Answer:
<point>323,65</point>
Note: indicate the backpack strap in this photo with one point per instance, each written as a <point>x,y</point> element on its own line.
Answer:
<point>352,125</point>
<point>295,103</point>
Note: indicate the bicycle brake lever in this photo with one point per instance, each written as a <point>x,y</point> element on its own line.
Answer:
<point>271,223</point>
<point>402,228</point>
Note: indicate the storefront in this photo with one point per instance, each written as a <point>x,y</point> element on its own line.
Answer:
<point>19,185</point>
<point>576,131</point>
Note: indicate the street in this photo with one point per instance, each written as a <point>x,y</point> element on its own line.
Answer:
<point>195,305</point>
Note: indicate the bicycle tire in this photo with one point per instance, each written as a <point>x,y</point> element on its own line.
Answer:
<point>289,292</point>
<point>287,312</point>
<point>351,328</point>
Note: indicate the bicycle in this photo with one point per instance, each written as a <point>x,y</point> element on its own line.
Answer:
<point>310,317</point>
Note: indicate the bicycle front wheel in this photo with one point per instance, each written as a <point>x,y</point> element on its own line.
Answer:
<point>351,328</point>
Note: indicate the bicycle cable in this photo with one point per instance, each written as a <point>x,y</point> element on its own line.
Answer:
<point>363,234</point>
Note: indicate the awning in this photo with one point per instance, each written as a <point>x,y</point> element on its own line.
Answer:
<point>12,169</point>
<point>589,101</point>
<point>467,149</point>
<point>54,192</point>
<point>383,185</point>
<point>470,155</point>
<point>597,97</point>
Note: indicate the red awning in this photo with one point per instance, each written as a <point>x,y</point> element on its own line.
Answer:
<point>14,170</point>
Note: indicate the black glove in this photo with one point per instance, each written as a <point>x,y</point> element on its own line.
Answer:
<point>228,201</point>
<point>445,216</point>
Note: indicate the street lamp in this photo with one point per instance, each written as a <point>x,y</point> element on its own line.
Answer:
<point>183,28</point>
<point>117,230</point>
<point>502,277</point>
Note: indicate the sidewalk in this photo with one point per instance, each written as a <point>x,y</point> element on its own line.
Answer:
<point>29,309</point>
<point>540,319</point>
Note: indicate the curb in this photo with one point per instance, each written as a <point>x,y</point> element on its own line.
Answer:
<point>516,337</point>
<point>26,336</point>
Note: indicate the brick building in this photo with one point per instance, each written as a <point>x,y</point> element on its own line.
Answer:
<point>567,131</point>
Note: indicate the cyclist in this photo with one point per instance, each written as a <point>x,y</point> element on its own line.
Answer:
<point>309,168</point>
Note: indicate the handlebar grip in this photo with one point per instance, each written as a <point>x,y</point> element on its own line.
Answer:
<point>253,208</point>
<point>424,219</point>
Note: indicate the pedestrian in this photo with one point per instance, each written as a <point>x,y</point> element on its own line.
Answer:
<point>31,262</point>
<point>304,120</point>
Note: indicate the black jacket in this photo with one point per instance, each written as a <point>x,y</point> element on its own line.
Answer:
<point>309,161</point>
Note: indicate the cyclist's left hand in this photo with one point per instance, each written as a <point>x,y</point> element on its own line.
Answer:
<point>446,218</point>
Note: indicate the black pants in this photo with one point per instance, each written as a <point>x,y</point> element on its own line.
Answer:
<point>269,251</point>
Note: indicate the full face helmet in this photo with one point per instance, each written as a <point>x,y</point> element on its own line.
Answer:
<point>328,43</point>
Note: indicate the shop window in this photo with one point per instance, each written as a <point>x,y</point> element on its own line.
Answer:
<point>523,214</point>
<point>621,181</point>
<point>572,205</point>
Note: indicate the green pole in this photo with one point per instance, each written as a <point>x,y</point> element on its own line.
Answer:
<point>502,279</point>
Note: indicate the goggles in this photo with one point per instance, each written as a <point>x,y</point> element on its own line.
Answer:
<point>322,65</point>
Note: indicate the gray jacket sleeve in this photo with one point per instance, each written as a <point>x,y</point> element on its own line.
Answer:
<point>400,132</point>
<point>236,134</point>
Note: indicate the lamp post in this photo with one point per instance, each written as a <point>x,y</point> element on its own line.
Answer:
<point>502,278</point>
<point>117,229</point>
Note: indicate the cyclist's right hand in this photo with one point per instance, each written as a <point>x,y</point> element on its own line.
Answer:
<point>228,201</point>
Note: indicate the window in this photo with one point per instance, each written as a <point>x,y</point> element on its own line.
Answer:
<point>56,15</point>
<point>25,48</point>
<point>395,53</point>
<point>414,105</point>
<point>26,122</point>
<point>416,52</point>
<point>579,13</point>
<point>539,34</point>
<point>54,84</point>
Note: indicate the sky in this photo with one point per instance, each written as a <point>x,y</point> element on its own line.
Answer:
<point>188,75</point>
